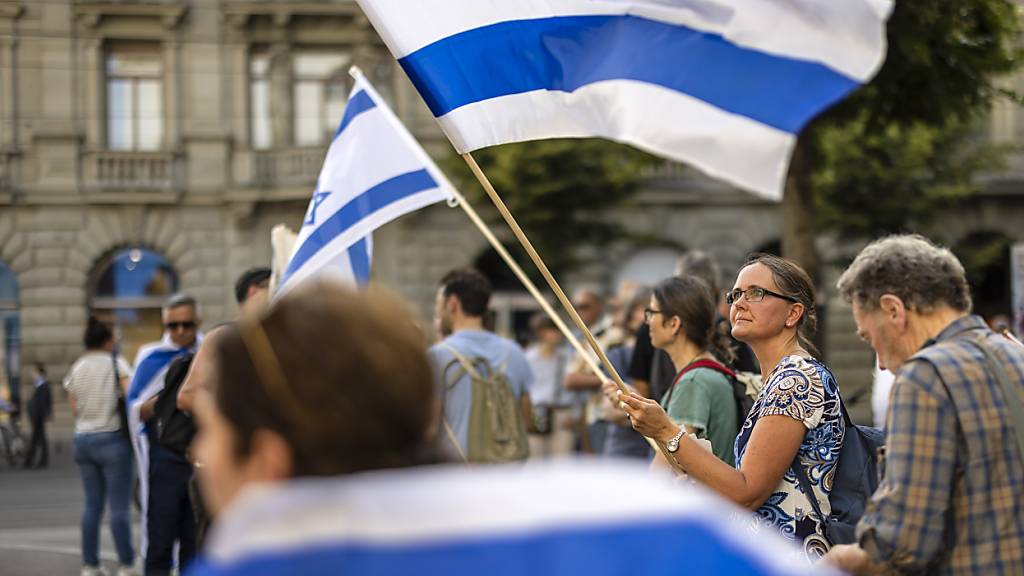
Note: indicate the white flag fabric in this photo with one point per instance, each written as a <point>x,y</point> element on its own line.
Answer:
<point>593,518</point>
<point>374,172</point>
<point>723,85</point>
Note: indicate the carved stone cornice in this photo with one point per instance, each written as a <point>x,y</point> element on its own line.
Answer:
<point>91,13</point>
<point>237,12</point>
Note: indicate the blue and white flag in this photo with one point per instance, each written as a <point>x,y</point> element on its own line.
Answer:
<point>374,172</point>
<point>151,364</point>
<point>594,518</point>
<point>723,85</point>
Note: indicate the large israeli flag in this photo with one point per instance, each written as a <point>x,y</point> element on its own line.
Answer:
<point>374,172</point>
<point>725,85</point>
<point>592,518</point>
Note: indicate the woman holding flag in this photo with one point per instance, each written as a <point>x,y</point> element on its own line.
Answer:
<point>796,419</point>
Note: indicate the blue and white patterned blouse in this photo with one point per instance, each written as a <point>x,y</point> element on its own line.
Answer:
<point>805,390</point>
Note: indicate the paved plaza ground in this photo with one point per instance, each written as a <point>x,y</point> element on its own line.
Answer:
<point>40,512</point>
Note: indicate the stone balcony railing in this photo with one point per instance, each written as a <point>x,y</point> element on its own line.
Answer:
<point>287,166</point>
<point>110,170</point>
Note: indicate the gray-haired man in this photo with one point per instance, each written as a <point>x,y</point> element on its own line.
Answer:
<point>951,500</point>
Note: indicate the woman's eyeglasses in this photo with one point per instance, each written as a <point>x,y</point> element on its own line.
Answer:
<point>649,313</point>
<point>754,294</point>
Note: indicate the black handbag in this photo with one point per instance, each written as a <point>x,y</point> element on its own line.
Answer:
<point>174,428</point>
<point>122,406</point>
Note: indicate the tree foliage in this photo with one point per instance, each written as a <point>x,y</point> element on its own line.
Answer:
<point>908,144</point>
<point>560,191</point>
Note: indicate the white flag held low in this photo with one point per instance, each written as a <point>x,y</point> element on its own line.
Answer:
<point>374,172</point>
<point>724,86</point>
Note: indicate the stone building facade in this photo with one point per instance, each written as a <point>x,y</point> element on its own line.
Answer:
<point>172,135</point>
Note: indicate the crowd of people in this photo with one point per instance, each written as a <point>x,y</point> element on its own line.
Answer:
<point>328,431</point>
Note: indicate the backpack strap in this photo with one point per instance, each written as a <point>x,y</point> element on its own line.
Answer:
<point>805,485</point>
<point>1011,397</point>
<point>705,363</point>
<point>466,368</point>
<point>466,364</point>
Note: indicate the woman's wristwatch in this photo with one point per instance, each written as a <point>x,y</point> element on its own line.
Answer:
<point>673,444</point>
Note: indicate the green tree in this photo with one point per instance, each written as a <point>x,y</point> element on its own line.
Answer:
<point>903,145</point>
<point>560,192</point>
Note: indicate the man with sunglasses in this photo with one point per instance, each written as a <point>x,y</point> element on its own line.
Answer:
<point>163,475</point>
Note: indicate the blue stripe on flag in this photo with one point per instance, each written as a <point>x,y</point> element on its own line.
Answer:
<point>666,548</point>
<point>359,256</point>
<point>387,192</point>
<point>567,53</point>
<point>360,102</point>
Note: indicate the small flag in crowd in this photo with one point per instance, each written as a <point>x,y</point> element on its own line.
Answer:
<point>723,86</point>
<point>374,172</point>
<point>540,520</point>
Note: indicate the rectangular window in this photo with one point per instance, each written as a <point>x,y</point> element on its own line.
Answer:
<point>319,96</point>
<point>135,108</point>
<point>259,100</point>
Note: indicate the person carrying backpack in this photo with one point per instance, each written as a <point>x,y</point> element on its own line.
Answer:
<point>681,317</point>
<point>796,421</point>
<point>483,379</point>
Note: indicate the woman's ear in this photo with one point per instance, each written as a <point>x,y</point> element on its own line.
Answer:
<point>796,311</point>
<point>676,324</point>
<point>270,458</point>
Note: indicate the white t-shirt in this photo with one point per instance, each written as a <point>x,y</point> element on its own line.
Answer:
<point>91,380</point>
<point>548,374</point>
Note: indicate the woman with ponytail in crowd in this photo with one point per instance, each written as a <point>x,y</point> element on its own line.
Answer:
<point>102,449</point>
<point>796,419</point>
<point>681,317</point>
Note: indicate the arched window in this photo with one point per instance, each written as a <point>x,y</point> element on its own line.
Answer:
<point>128,289</point>
<point>10,330</point>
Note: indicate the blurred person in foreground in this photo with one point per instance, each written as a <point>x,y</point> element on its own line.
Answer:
<point>951,499</point>
<point>102,449</point>
<point>313,432</point>
<point>795,420</point>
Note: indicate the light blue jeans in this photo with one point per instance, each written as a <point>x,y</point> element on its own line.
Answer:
<point>105,462</point>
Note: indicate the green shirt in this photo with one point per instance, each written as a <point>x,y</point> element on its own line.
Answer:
<point>703,399</point>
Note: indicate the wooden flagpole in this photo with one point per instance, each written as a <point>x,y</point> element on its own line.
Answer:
<point>559,293</point>
<point>562,298</point>
<point>527,283</point>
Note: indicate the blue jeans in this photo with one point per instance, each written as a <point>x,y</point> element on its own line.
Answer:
<point>105,463</point>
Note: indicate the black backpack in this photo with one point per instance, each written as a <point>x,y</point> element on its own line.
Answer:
<point>855,480</point>
<point>174,427</point>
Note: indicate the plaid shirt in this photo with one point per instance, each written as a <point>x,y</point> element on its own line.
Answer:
<point>952,497</point>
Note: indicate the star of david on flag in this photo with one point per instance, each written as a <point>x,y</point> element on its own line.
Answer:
<point>374,172</point>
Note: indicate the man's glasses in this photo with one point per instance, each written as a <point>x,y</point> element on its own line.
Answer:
<point>754,294</point>
<point>187,325</point>
<point>649,313</point>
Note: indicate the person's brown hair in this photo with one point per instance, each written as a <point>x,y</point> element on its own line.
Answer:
<point>793,281</point>
<point>348,387</point>
<point>691,299</point>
